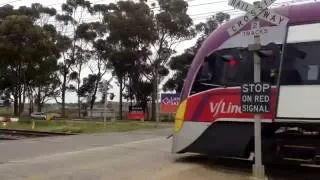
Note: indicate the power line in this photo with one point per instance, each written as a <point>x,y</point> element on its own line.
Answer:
<point>9,2</point>
<point>205,16</point>
<point>157,7</point>
<point>234,11</point>
<point>216,2</point>
<point>214,12</point>
<point>227,11</point>
<point>94,2</point>
<point>190,6</point>
<point>209,16</point>
<point>198,17</point>
<point>202,4</point>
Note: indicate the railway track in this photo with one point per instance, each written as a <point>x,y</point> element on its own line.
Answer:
<point>273,172</point>
<point>11,134</point>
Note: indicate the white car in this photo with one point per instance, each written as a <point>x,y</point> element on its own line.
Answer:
<point>38,115</point>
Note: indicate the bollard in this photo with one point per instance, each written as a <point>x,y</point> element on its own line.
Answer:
<point>33,124</point>
<point>4,124</point>
<point>5,121</point>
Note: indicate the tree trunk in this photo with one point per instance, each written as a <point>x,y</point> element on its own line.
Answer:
<point>120,98</point>
<point>154,99</point>
<point>18,90</point>
<point>19,100</point>
<point>40,106</point>
<point>30,101</point>
<point>63,93</point>
<point>144,104</point>
<point>24,98</point>
<point>93,97</point>
<point>79,102</point>
<point>30,106</point>
<point>79,107</point>
<point>39,99</point>
<point>16,102</point>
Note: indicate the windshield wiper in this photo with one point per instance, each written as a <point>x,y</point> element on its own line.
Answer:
<point>214,85</point>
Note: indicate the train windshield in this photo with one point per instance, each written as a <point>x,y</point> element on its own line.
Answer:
<point>233,67</point>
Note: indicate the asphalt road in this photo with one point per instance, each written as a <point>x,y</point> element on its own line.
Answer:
<point>135,156</point>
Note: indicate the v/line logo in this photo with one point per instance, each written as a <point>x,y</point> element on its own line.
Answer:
<point>222,107</point>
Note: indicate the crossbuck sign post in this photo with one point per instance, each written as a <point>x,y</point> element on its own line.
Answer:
<point>253,12</point>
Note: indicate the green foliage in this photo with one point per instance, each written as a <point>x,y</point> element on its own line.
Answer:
<point>135,31</point>
<point>28,53</point>
<point>130,24</point>
<point>181,63</point>
<point>173,25</point>
<point>88,85</point>
<point>131,31</point>
<point>83,127</point>
<point>86,31</point>
<point>173,19</point>
<point>76,52</point>
<point>41,61</point>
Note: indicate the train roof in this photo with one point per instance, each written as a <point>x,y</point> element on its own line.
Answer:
<point>297,14</point>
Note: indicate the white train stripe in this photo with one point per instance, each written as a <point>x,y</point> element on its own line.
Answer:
<point>241,120</point>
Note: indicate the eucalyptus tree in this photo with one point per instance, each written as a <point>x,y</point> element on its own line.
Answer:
<point>181,63</point>
<point>72,29</point>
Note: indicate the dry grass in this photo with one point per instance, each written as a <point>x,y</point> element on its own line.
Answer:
<point>83,127</point>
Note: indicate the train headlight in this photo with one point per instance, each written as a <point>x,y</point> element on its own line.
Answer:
<point>180,115</point>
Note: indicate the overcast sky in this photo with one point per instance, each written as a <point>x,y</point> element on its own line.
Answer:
<point>199,10</point>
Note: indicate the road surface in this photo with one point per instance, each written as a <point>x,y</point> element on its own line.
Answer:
<point>136,156</point>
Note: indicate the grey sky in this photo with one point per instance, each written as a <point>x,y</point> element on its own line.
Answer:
<point>199,10</point>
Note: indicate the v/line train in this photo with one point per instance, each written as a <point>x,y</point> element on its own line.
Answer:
<point>209,118</point>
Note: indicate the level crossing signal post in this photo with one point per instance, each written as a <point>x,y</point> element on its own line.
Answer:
<point>258,168</point>
<point>256,97</point>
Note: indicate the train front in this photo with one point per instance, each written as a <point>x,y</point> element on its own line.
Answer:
<point>188,126</point>
<point>209,119</point>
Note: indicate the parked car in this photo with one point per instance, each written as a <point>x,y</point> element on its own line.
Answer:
<point>38,115</point>
<point>53,116</point>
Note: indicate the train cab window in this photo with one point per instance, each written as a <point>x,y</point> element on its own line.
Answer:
<point>240,67</point>
<point>229,67</point>
<point>301,64</point>
<point>234,67</point>
<point>206,77</point>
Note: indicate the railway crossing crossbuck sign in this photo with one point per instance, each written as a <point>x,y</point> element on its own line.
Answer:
<point>260,10</point>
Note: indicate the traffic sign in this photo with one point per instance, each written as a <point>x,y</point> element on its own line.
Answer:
<point>256,98</point>
<point>260,10</point>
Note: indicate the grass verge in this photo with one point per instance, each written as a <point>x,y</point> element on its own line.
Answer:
<point>83,127</point>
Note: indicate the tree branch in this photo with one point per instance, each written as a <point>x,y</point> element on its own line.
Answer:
<point>55,98</point>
